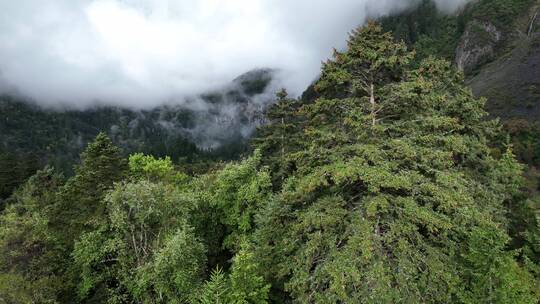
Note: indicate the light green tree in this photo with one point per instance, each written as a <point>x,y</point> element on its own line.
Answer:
<point>151,168</point>
<point>247,285</point>
<point>215,290</point>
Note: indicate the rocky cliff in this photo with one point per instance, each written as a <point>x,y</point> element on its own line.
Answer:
<point>496,43</point>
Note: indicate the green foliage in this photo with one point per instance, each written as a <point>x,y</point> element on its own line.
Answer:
<point>248,286</point>
<point>15,289</point>
<point>15,169</point>
<point>532,234</point>
<point>244,285</point>
<point>434,33</point>
<point>278,137</point>
<point>215,290</point>
<point>501,12</point>
<point>145,248</point>
<point>371,59</point>
<point>146,166</point>
<point>525,137</point>
<point>389,204</point>
<point>493,275</point>
<point>81,204</point>
<point>31,265</point>
<point>426,29</point>
<point>238,191</point>
<point>139,237</point>
<point>148,249</point>
<point>178,267</point>
<point>101,160</point>
<point>391,186</point>
<point>92,254</point>
<point>531,247</point>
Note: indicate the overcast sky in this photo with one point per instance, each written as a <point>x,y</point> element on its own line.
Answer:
<point>142,52</point>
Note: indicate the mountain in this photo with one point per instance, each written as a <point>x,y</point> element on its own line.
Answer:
<point>496,43</point>
<point>387,182</point>
<point>213,126</point>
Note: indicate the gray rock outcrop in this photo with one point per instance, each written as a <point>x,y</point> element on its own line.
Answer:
<point>477,45</point>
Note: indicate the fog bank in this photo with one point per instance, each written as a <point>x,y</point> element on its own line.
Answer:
<point>140,53</point>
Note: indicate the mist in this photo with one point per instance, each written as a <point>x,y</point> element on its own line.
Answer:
<point>143,53</point>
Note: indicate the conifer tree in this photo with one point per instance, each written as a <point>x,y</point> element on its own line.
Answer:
<point>247,283</point>
<point>215,290</point>
<point>81,205</point>
<point>372,60</point>
<point>276,140</point>
<point>392,200</point>
<point>32,267</point>
<point>238,191</point>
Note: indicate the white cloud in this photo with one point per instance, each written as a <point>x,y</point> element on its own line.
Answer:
<point>142,52</point>
<point>451,5</point>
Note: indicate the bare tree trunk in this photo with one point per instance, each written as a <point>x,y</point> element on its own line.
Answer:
<point>282,138</point>
<point>373,105</point>
<point>282,146</point>
<point>531,26</point>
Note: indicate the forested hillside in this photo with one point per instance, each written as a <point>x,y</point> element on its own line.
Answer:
<point>195,133</point>
<point>496,44</point>
<point>392,185</point>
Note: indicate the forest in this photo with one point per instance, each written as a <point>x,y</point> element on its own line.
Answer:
<point>391,185</point>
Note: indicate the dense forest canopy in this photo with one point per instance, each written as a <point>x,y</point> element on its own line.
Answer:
<point>387,182</point>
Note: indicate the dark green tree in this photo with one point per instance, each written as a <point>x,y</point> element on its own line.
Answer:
<point>236,192</point>
<point>371,61</point>
<point>14,171</point>
<point>246,280</point>
<point>81,205</point>
<point>277,139</point>
<point>245,283</point>
<point>32,267</point>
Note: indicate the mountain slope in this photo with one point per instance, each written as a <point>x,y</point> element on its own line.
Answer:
<point>495,42</point>
<point>215,126</point>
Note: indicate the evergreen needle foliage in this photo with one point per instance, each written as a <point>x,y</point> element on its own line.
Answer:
<point>391,186</point>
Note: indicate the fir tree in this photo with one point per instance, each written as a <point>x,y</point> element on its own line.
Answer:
<point>215,290</point>
<point>277,138</point>
<point>81,205</point>
<point>392,199</point>
<point>247,283</point>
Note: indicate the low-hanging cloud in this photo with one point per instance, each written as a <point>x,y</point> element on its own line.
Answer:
<point>140,53</point>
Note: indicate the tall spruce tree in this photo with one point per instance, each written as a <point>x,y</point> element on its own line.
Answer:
<point>397,196</point>
<point>81,205</point>
<point>277,139</point>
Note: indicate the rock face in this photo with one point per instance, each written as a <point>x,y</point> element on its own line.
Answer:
<point>477,45</point>
<point>511,82</point>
